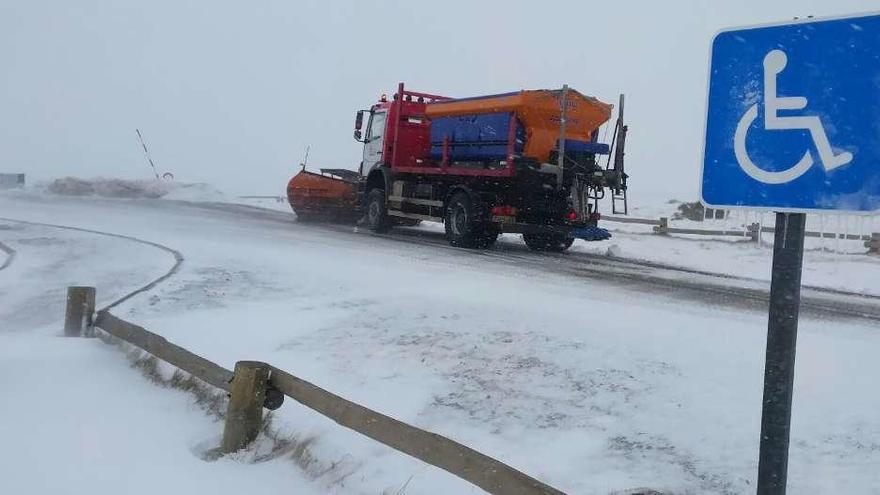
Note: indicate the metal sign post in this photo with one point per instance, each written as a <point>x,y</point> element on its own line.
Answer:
<point>790,128</point>
<point>785,298</point>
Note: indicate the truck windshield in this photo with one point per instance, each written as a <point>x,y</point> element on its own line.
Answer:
<point>377,126</point>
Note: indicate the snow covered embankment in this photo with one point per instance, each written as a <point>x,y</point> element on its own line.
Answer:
<point>86,416</point>
<point>130,189</point>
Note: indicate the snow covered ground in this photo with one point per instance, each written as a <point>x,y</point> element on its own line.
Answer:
<point>587,385</point>
<point>76,417</point>
<point>849,269</point>
<point>837,264</point>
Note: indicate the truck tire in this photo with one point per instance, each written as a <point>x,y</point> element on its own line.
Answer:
<point>465,223</point>
<point>548,242</point>
<point>376,212</point>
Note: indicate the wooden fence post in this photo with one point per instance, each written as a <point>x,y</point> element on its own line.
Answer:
<point>754,232</point>
<point>663,228</point>
<point>80,311</point>
<point>244,414</point>
<point>874,244</point>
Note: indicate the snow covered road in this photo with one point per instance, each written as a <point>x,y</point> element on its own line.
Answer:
<point>66,257</point>
<point>679,281</point>
<point>590,373</point>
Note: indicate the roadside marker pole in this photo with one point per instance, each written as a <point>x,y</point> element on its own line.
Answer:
<point>147,153</point>
<point>785,298</point>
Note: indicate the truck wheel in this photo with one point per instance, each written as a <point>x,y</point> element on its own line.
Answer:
<point>376,212</point>
<point>548,242</point>
<point>464,223</point>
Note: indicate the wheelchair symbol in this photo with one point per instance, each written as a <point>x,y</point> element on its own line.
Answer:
<point>774,63</point>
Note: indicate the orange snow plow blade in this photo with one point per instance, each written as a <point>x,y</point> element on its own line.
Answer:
<point>328,196</point>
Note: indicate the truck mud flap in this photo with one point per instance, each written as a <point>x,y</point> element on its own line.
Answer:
<point>590,233</point>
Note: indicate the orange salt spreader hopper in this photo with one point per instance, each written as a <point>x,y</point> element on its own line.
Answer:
<point>539,111</point>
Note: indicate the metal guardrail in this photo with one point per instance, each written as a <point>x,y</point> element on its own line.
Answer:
<point>11,181</point>
<point>254,386</point>
<point>752,231</point>
<point>643,221</point>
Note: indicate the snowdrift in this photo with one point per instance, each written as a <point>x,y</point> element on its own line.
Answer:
<point>122,188</point>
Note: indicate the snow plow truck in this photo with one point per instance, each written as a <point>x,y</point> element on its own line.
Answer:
<point>528,162</point>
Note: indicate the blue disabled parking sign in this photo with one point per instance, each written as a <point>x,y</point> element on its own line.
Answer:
<point>793,118</point>
<point>792,125</point>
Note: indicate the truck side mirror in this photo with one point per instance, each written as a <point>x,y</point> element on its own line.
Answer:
<point>358,123</point>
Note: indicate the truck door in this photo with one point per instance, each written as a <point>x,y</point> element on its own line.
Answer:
<point>373,142</point>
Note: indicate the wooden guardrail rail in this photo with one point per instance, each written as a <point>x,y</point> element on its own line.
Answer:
<point>197,366</point>
<point>254,386</point>
<point>437,450</point>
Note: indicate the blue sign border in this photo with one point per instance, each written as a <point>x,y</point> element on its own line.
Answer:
<point>794,22</point>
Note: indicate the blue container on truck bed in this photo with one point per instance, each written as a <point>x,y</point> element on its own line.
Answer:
<point>481,137</point>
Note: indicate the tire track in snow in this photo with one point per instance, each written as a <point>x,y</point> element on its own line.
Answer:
<point>679,282</point>
<point>178,257</point>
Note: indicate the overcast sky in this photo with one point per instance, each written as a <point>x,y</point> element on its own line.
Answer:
<point>231,93</point>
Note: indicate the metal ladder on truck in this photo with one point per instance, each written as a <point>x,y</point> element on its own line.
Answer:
<point>618,142</point>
